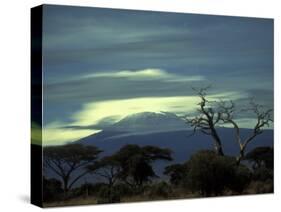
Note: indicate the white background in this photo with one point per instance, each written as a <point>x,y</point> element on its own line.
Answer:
<point>15,103</point>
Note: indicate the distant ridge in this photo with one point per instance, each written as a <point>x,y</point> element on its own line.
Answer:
<point>168,131</point>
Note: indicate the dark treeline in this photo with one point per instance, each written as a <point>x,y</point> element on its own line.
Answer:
<point>128,174</point>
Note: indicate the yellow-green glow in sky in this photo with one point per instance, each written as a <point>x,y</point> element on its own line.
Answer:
<point>92,113</point>
<point>56,134</point>
<point>146,74</point>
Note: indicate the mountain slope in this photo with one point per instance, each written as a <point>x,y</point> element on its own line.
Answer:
<point>180,142</point>
<point>168,131</point>
<point>148,122</point>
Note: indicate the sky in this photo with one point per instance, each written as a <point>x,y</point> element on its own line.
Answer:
<point>100,65</point>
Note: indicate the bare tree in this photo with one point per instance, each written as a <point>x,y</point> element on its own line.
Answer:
<point>207,120</point>
<point>263,119</point>
<point>213,114</point>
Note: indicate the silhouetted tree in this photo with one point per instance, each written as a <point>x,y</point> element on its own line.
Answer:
<point>109,169</point>
<point>261,157</point>
<point>240,179</point>
<point>262,116</point>
<point>177,172</point>
<point>213,114</point>
<point>262,163</point>
<point>136,163</point>
<point>68,162</point>
<point>207,120</point>
<point>210,173</point>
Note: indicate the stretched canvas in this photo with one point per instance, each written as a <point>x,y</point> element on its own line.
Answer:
<point>134,105</point>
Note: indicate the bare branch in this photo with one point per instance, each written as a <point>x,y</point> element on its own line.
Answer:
<point>207,119</point>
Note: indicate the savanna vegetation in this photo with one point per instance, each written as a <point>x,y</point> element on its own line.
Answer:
<point>128,175</point>
<point>79,174</point>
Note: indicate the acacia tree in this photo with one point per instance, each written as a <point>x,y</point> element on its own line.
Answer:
<point>177,173</point>
<point>213,114</point>
<point>136,163</point>
<point>109,169</point>
<point>68,162</point>
<point>263,119</point>
<point>207,120</point>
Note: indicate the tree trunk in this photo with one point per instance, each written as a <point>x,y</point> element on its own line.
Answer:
<point>65,187</point>
<point>240,157</point>
<point>217,141</point>
<point>219,150</point>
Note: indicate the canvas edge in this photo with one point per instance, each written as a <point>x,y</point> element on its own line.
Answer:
<point>36,190</point>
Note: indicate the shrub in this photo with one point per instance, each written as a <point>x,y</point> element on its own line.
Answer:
<point>262,174</point>
<point>124,190</point>
<point>52,190</point>
<point>108,194</point>
<point>261,157</point>
<point>241,179</point>
<point>161,189</point>
<point>211,174</point>
<point>86,189</point>
<point>259,187</point>
<point>178,174</point>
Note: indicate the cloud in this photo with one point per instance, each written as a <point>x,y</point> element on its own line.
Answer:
<point>110,111</point>
<point>55,134</point>
<point>146,74</point>
<point>92,113</point>
<point>121,84</point>
<point>152,60</point>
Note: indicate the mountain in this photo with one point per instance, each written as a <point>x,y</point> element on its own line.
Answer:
<point>147,122</point>
<point>167,131</point>
<point>180,142</point>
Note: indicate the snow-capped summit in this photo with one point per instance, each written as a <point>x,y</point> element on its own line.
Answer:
<point>149,122</point>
